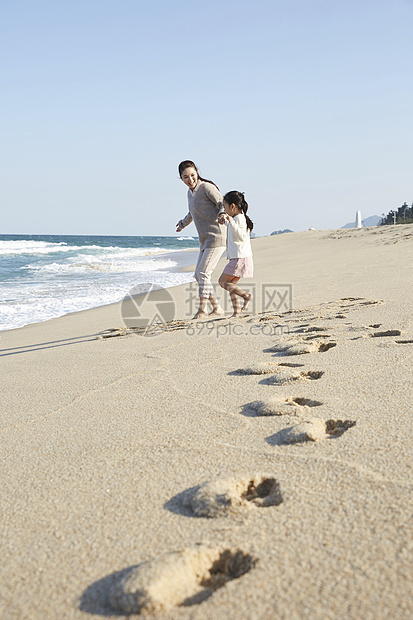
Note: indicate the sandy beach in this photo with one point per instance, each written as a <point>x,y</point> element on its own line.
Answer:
<point>255,468</point>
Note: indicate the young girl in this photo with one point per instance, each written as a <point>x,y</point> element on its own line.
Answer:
<point>239,250</point>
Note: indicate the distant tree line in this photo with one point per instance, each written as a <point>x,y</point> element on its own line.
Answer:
<point>403,215</point>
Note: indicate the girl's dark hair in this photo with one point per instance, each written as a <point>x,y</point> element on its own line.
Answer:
<point>190,164</point>
<point>238,199</point>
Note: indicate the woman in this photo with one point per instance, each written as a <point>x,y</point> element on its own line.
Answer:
<point>204,205</point>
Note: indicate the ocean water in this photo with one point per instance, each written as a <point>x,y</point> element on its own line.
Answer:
<point>46,276</point>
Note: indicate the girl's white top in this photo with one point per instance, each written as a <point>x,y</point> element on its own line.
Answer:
<point>238,237</point>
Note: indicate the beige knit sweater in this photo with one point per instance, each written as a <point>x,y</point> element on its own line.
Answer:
<point>204,206</point>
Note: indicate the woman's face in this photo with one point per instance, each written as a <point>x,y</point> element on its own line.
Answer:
<point>190,178</point>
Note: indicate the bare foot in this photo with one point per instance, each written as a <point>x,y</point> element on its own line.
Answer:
<point>199,315</point>
<point>216,312</point>
<point>236,315</point>
<point>247,300</point>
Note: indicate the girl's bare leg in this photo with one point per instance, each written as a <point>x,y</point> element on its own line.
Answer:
<point>229,284</point>
<point>247,299</point>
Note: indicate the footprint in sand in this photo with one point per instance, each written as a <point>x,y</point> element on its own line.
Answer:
<point>277,406</point>
<point>152,330</point>
<point>292,347</point>
<point>383,334</point>
<point>328,311</point>
<point>178,579</point>
<point>361,302</point>
<point>307,329</point>
<point>283,376</point>
<point>264,368</point>
<point>113,333</point>
<point>314,429</point>
<point>317,336</point>
<point>231,496</point>
<point>389,332</point>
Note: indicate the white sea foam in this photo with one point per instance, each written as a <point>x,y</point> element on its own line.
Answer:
<point>31,247</point>
<point>43,247</point>
<point>42,302</point>
<point>41,279</point>
<point>87,263</point>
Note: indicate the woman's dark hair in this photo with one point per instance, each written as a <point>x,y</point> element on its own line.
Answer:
<point>190,164</point>
<point>238,199</point>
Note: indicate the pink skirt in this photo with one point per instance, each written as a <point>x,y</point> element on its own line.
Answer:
<point>240,267</point>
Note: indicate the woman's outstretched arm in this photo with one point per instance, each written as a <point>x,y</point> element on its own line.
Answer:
<point>184,222</point>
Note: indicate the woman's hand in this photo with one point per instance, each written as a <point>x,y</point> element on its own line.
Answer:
<point>222,218</point>
<point>179,227</point>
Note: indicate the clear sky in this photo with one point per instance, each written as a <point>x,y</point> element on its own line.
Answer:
<point>305,105</point>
